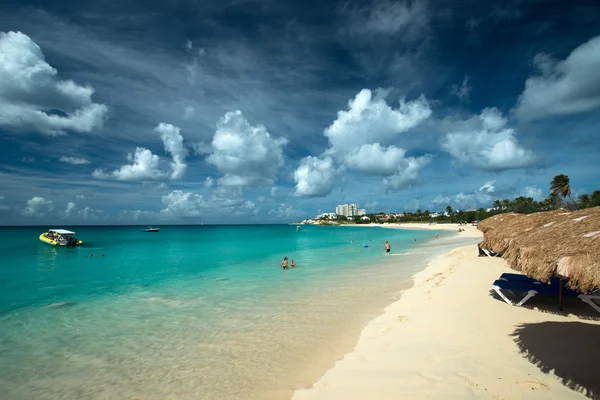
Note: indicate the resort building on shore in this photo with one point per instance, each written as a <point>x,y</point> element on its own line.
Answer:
<point>349,210</point>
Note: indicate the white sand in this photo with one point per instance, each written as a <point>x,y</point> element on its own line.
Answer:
<point>447,337</point>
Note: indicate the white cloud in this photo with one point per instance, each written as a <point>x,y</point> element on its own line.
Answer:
<point>247,155</point>
<point>408,172</point>
<point>145,165</point>
<point>202,148</point>
<point>491,146</point>
<point>534,192</point>
<point>441,199</point>
<point>74,160</point>
<point>38,206</point>
<point>481,198</point>
<point>222,201</point>
<point>72,211</point>
<point>370,120</point>
<point>188,112</point>
<point>462,91</point>
<point>80,197</point>
<point>136,215</point>
<point>388,17</point>
<point>315,176</point>
<point>182,204</point>
<point>29,87</point>
<point>488,187</point>
<point>3,207</point>
<point>563,87</point>
<point>374,159</point>
<point>286,211</point>
<point>209,182</point>
<point>173,144</point>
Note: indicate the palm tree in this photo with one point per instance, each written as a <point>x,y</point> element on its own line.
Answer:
<point>449,210</point>
<point>497,204</point>
<point>505,204</point>
<point>419,213</point>
<point>560,186</point>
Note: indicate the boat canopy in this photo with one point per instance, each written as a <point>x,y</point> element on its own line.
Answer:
<point>62,231</point>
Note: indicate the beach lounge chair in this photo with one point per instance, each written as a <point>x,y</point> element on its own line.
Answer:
<point>513,283</point>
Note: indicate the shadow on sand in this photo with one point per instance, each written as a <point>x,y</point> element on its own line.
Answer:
<point>549,304</point>
<point>570,349</point>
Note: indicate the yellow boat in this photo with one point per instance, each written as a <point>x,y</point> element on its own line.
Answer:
<point>60,237</point>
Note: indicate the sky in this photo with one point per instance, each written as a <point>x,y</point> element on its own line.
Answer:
<point>252,111</point>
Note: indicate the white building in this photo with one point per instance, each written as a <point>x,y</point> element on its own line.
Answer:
<point>327,215</point>
<point>347,210</point>
<point>362,211</point>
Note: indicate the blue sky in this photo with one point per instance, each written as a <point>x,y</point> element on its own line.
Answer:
<point>269,111</point>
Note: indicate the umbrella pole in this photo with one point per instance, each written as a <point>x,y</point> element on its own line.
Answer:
<point>560,295</point>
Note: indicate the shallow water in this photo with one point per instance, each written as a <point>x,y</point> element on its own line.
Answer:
<point>192,312</point>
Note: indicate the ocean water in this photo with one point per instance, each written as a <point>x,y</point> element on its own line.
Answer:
<point>191,312</point>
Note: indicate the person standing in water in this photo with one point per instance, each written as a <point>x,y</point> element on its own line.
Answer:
<point>284,263</point>
<point>388,248</point>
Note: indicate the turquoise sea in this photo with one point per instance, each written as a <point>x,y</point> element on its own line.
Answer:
<point>191,312</point>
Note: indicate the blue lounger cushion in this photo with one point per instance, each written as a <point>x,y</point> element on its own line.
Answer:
<point>541,288</point>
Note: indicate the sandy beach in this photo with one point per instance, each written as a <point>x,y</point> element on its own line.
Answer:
<point>449,337</point>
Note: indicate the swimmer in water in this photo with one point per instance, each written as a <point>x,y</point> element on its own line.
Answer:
<point>292,265</point>
<point>284,263</point>
<point>91,255</point>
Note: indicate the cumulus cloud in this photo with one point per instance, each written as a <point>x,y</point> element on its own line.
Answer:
<point>182,204</point>
<point>371,120</point>
<point>222,201</point>
<point>534,192</point>
<point>488,187</point>
<point>247,155</point>
<point>38,206</point>
<point>480,198</point>
<point>173,143</point>
<point>462,91</point>
<point>209,182</point>
<point>569,86</point>
<point>32,98</point>
<point>374,159</point>
<point>74,160</point>
<point>315,176</point>
<point>145,165</point>
<point>407,173</point>
<point>491,146</point>
<point>73,211</point>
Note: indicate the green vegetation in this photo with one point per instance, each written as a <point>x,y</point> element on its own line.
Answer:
<point>560,189</point>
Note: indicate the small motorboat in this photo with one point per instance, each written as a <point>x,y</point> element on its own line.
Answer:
<point>150,229</point>
<point>60,237</point>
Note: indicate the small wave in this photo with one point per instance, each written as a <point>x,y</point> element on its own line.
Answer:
<point>61,304</point>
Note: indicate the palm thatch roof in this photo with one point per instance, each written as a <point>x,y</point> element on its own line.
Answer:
<point>547,243</point>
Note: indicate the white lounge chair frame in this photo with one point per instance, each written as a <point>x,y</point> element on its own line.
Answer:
<point>586,298</point>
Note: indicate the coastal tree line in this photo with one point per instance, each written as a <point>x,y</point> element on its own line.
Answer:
<point>559,197</point>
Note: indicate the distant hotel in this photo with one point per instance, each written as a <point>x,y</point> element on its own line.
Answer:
<point>350,210</point>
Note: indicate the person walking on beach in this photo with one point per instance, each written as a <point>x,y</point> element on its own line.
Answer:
<point>284,263</point>
<point>388,248</point>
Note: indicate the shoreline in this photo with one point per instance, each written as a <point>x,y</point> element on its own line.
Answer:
<point>448,337</point>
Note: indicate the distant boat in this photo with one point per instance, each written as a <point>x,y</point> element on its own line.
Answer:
<point>151,229</point>
<point>298,228</point>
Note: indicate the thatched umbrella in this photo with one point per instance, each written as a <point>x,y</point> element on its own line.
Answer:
<point>550,243</point>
